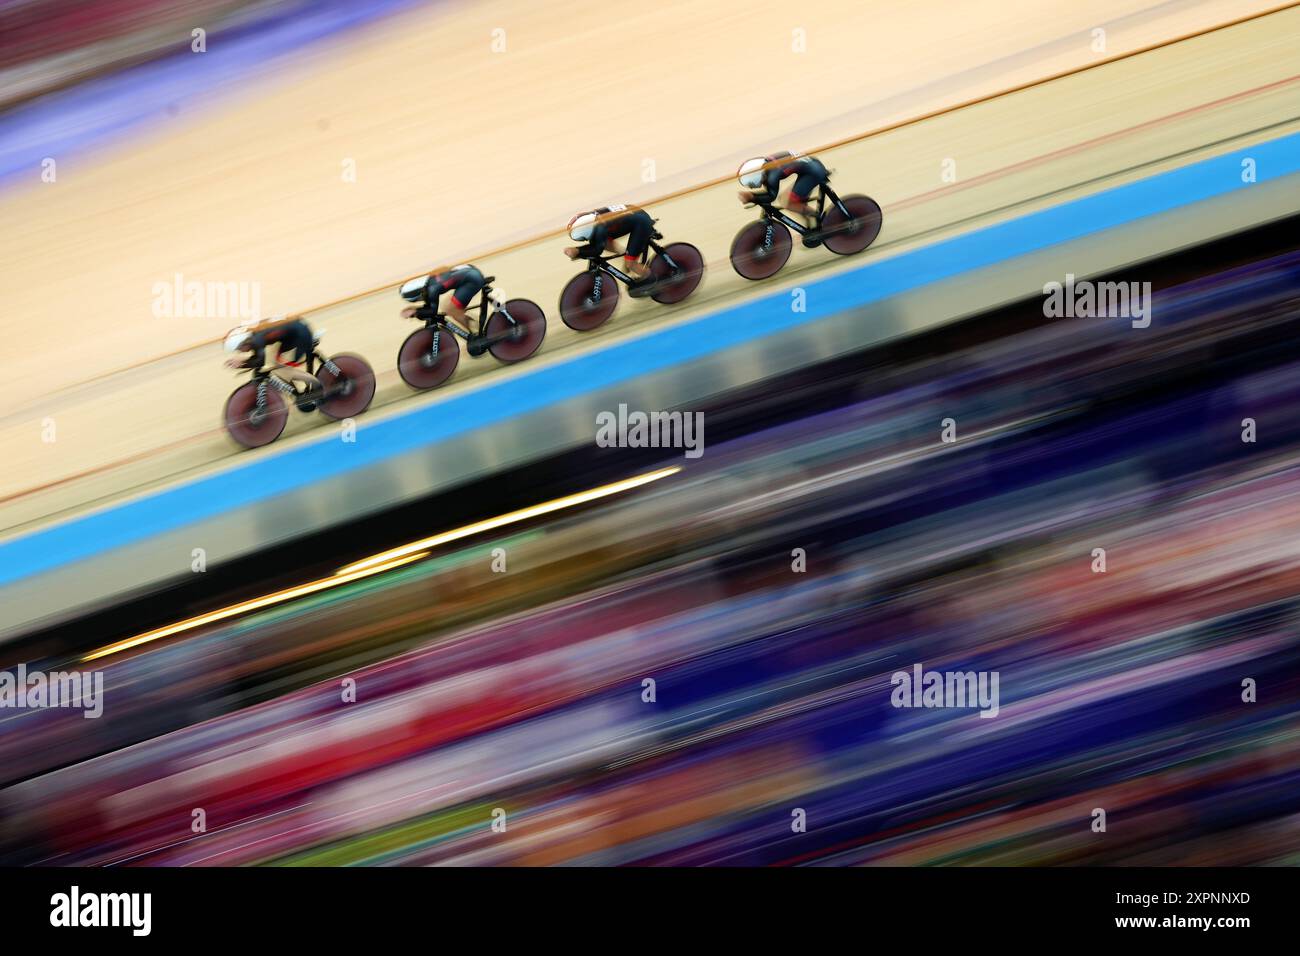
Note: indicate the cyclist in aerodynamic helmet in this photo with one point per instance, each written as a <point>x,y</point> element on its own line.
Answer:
<point>762,178</point>
<point>464,281</point>
<point>290,335</point>
<point>598,229</point>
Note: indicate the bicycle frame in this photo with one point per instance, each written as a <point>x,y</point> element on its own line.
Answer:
<point>602,263</point>
<point>824,193</point>
<point>265,378</point>
<point>451,325</point>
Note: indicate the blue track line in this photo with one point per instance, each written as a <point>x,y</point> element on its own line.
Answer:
<point>263,477</point>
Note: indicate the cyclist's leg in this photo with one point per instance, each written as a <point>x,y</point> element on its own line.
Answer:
<point>800,201</point>
<point>296,373</point>
<point>823,183</point>
<point>295,355</point>
<point>469,285</point>
<point>642,227</point>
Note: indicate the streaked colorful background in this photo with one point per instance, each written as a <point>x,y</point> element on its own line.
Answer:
<point>629,657</point>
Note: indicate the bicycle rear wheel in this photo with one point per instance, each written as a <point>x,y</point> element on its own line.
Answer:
<point>528,330</point>
<point>675,286</point>
<point>353,386</point>
<point>844,236</point>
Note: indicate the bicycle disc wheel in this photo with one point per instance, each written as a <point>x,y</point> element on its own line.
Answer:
<point>250,426</point>
<point>528,330</point>
<point>756,254</point>
<point>415,361</point>
<point>673,287</point>
<point>845,237</point>
<point>355,381</point>
<point>580,308</point>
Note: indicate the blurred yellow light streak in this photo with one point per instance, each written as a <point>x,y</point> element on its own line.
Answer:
<point>278,597</point>
<point>523,514</point>
<point>379,563</point>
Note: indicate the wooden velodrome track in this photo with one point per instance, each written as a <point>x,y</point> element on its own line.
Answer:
<point>460,151</point>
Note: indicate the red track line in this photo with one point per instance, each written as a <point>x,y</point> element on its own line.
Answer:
<point>1073,71</point>
<point>904,203</point>
<point>1088,144</point>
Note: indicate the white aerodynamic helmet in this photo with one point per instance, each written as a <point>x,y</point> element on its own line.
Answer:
<point>413,290</point>
<point>751,173</point>
<point>581,226</point>
<point>236,338</point>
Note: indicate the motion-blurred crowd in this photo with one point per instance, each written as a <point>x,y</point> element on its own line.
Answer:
<point>706,670</point>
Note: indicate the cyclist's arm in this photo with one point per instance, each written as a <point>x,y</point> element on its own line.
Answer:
<point>771,187</point>
<point>257,343</point>
<point>431,294</point>
<point>598,242</point>
<point>432,291</point>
